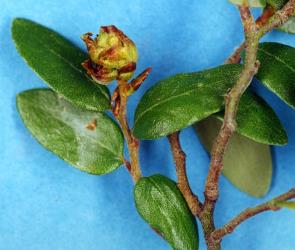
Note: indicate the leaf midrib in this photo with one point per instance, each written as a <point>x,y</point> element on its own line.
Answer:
<point>278,59</point>
<point>73,66</point>
<point>169,99</point>
<point>102,91</point>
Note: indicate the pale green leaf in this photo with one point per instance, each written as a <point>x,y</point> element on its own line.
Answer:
<point>247,164</point>
<point>90,141</point>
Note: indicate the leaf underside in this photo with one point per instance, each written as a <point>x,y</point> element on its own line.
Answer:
<point>88,140</point>
<point>247,164</point>
<point>58,62</point>
<point>161,204</point>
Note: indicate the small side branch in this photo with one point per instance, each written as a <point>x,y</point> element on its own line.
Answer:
<point>268,20</point>
<point>279,18</point>
<point>183,183</point>
<point>251,212</point>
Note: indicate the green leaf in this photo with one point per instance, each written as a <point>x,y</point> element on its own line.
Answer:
<point>179,101</point>
<point>286,204</point>
<point>277,70</point>
<point>184,99</point>
<point>247,164</point>
<point>252,3</point>
<point>161,204</point>
<point>289,26</point>
<point>58,62</point>
<point>257,121</point>
<point>276,4</point>
<point>88,140</point>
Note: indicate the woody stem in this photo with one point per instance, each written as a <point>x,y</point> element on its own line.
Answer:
<point>132,142</point>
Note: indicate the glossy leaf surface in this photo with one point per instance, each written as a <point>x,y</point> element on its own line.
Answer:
<point>161,204</point>
<point>257,121</point>
<point>184,99</point>
<point>247,164</point>
<point>181,100</point>
<point>58,62</point>
<point>88,140</point>
<point>277,70</point>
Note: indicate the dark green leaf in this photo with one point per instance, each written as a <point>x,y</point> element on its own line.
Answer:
<point>252,3</point>
<point>277,70</point>
<point>286,204</point>
<point>184,99</point>
<point>289,26</point>
<point>257,121</point>
<point>181,100</point>
<point>88,140</point>
<point>161,204</point>
<point>58,62</point>
<point>247,164</point>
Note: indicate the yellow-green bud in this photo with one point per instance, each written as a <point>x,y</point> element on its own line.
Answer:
<point>112,55</point>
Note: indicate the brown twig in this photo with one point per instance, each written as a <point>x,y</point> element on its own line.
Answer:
<point>252,37</point>
<point>279,18</point>
<point>249,213</point>
<point>183,183</point>
<point>229,125</point>
<point>231,104</point>
<point>132,143</point>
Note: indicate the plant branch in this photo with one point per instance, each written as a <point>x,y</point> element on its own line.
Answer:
<point>183,183</point>
<point>121,97</point>
<point>229,125</point>
<point>231,104</point>
<point>268,20</point>
<point>250,212</point>
<point>279,18</point>
<point>251,65</point>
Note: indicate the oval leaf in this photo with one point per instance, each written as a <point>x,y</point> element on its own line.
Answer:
<point>277,70</point>
<point>252,3</point>
<point>161,204</point>
<point>247,164</point>
<point>88,140</point>
<point>286,204</point>
<point>181,100</point>
<point>257,121</point>
<point>58,62</point>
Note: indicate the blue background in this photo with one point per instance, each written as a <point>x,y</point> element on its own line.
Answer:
<point>45,204</point>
